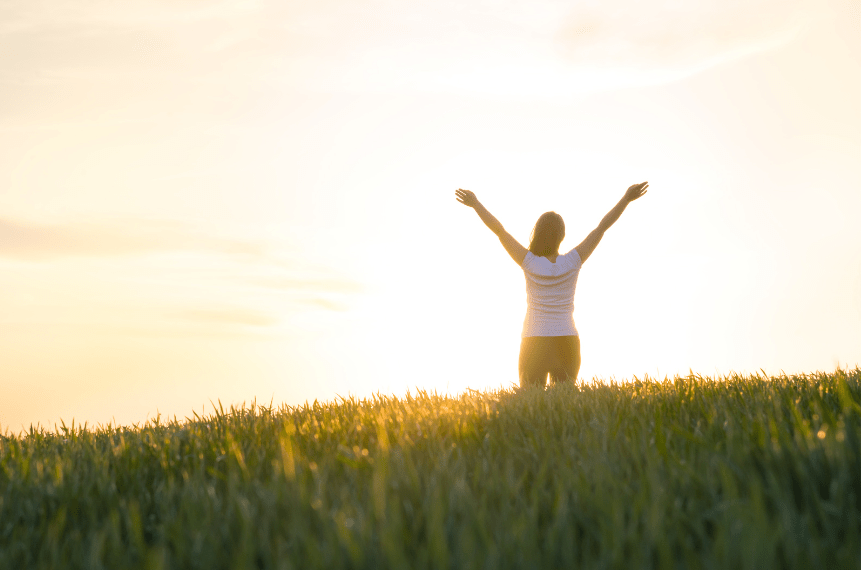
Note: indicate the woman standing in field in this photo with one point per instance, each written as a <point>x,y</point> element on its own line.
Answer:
<point>550,343</point>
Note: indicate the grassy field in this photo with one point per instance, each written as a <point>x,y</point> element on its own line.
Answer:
<point>736,472</point>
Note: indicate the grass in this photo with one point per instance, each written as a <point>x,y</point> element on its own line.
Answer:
<point>736,472</point>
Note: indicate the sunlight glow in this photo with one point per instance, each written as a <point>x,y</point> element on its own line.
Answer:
<point>242,200</point>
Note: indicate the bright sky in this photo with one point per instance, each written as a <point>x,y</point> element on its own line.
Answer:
<point>248,199</point>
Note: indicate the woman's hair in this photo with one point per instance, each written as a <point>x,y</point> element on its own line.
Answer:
<point>548,233</point>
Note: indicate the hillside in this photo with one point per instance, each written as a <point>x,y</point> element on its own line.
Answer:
<point>735,472</point>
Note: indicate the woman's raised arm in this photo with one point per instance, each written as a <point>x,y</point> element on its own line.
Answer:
<point>511,245</point>
<point>588,245</point>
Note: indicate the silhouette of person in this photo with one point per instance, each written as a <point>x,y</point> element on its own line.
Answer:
<point>549,342</point>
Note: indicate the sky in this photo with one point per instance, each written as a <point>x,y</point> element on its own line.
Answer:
<point>239,201</point>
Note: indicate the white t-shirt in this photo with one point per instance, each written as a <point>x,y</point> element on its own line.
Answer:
<point>550,294</point>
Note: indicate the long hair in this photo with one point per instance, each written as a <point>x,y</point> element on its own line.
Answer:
<point>548,233</point>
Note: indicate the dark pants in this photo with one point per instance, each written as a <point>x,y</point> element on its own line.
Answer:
<point>558,356</point>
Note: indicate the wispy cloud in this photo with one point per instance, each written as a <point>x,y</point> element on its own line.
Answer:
<point>29,15</point>
<point>229,316</point>
<point>292,279</point>
<point>327,304</point>
<point>315,288</point>
<point>498,48</point>
<point>149,45</point>
<point>44,242</point>
<point>675,35</point>
<point>313,284</point>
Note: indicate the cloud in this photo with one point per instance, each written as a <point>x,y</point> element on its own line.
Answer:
<point>544,48</point>
<point>149,46</point>
<point>675,35</point>
<point>303,282</point>
<point>29,15</point>
<point>317,289</point>
<point>326,304</point>
<point>33,242</point>
<point>501,49</point>
<point>232,316</point>
<point>315,284</point>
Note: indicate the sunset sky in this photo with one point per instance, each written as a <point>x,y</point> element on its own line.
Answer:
<point>249,199</point>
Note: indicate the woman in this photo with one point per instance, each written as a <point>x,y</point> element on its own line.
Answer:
<point>550,343</point>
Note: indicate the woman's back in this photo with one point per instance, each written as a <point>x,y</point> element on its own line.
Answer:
<point>550,294</point>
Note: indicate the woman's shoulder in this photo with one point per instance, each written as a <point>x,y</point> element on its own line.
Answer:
<point>573,256</point>
<point>528,260</point>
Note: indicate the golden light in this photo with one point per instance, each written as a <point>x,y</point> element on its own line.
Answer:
<point>245,200</point>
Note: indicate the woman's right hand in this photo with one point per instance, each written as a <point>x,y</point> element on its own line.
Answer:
<point>466,197</point>
<point>636,191</point>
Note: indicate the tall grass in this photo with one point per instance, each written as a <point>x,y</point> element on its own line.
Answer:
<point>735,472</point>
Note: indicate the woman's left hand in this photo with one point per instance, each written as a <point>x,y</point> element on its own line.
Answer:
<point>466,197</point>
<point>636,191</point>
